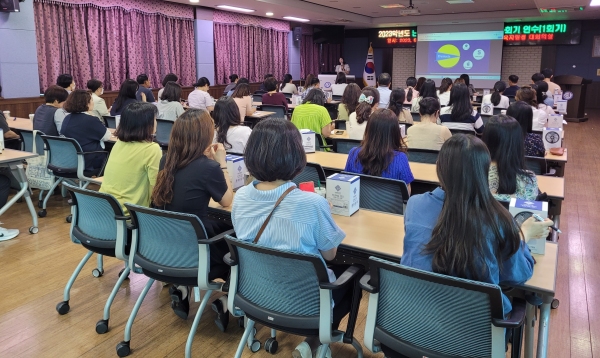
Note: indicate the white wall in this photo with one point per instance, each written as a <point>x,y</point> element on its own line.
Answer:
<point>205,49</point>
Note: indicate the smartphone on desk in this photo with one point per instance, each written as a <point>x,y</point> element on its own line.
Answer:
<point>339,132</point>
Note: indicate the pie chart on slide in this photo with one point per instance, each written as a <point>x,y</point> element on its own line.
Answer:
<point>447,56</point>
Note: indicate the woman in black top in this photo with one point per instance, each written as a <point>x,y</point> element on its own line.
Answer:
<point>127,95</point>
<point>86,129</point>
<point>191,173</point>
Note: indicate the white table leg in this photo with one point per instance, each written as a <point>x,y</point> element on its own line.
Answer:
<point>529,330</point>
<point>542,344</point>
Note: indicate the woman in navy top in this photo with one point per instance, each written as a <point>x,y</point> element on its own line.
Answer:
<point>461,230</point>
<point>382,152</point>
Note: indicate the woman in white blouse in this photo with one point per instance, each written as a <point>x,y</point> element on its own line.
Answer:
<point>169,105</point>
<point>287,86</point>
<point>529,96</point>
<point>367,103</point>
<point>199,98</point>
<point>497,98</point>
<point>340,84</point>
<point>342,67</point>
<point>230,131</point>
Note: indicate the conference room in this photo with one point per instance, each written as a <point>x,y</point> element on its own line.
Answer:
<point>304,178</point>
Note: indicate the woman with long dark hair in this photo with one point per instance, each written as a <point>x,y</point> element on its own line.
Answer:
<point>230,131</point>
<point>127,95</point>
<point>420,82</point>
<point>342,67</point>
<point>459,114</point>
<point>544,102</point>
<point>367,103</point>
<point>523,113</point>
<point>382,152</point>
<point>191,173</point>
<point>444,91</point>
<point>169,77</point>
<point>427,90</point>
<point>508,175</point>
<point>337,89</point>
<point>467,80</point>
<point>169,105</point>
<point>460,230</point>
<point>287,86</point>
<point>396,105</point>
<point>349,101</point>
<point>497,98</point>
<point>528,94</point>
<point>410,90</point>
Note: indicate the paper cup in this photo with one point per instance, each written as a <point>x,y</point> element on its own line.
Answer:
<point>6,114</point>
<point>31,117</point>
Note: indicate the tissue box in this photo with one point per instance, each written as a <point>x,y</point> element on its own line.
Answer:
<point>403,130</point>
<point>487,109</point>
<point>561,106</point>
<point>343,192</point>
<point>236,168</point>
<point>308,140</point>
<point>522,210</point>
<point>555,121</point>
<point>552,137</point>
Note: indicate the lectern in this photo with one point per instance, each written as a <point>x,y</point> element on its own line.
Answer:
<point>576,105</point>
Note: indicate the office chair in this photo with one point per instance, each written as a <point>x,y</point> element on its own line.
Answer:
<point>163,132</point>
<point>323,146</point>
<point>110,121</point>
<point>423,155</point>
<point>257,97</point>
<point>311,172</point>
<point>382,194</point>
<point>279,110</point>
<point>27,145</point>
<point>344,145</point>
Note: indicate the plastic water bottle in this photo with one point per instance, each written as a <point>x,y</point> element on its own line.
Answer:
<point>1,141</point>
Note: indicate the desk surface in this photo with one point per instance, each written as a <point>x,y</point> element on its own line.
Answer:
<point>11,155</point>
<point>290,106</point>
<point>20,123</point>
<point>261,114</point>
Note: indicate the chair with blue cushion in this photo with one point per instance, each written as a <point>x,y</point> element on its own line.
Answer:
<point>415,116</point>
<point>344,145</point>
<point>422,314</point>
<point>289,292</point>
<point>382,194</point>
<point>170,247</point>
<point>163,132</point>
<point>336,97</point>
<point>110,121</point>
<point>279,110</point>
<point>423,155</point>
<point>256,97</point>
<point>311,172</point>
<point>100,226</point>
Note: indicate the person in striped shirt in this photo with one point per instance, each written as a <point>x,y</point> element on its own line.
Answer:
<point>459,114</point>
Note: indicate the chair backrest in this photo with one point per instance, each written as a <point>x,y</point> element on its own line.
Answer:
<point>311,172</point>
<point>336,97</point>
<point>344,145</point>
<point>322,143</point>
<point>341,125</point>
<point>110,122</point>
<point>257,97</point>
<point>423,155</point>
<point>26,140</point>
<point>287,95</point>
<point>415,116</point>
<point>163,131</point>
<point>273,283</point>
<point>463,131</point>
<point>497,111</point>
<point>537,165</point>
<point>421,313</point>
<point>279,110</point>
<point>62,153</point>
<point>382,194</point>
<point>260,92</point>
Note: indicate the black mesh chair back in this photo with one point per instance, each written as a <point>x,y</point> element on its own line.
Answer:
<point>537,165</point>
<point>257,97</point>
<point>415,116</point>
<point>341,125</point>
<point>497,111</point>
<point>463,131</point>
<point>279,110</point>
<point>344,145</point>
<point>260,92</point>
<point>382,194</point>
<point>163,132</point>
<point>423,155</point>
<point>287,95</point>
<point>312,172</point>
<point>110,122</point>
<point>336,97</point>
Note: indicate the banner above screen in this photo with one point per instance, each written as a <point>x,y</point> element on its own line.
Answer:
<point>542,33</point>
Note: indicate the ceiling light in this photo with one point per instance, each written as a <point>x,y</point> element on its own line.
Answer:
<point>299,19</point>
<point>234,8</point>
<point>595,3</point>
<point>269,14</point>
<point>392,6</point>
<point>194,1</point>
<point>459,1</point>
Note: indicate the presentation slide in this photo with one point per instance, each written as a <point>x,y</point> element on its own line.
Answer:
<point>452,51</point>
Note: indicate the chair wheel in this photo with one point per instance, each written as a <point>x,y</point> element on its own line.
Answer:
<point>271,345</point>
<point>97,273</point>
<point>121,272</point>
<point>40,204</point>
<point>63,307</point>
<point>42,213</point>
<point>255,346</point>
<point>554,304</point>
<point>123,349</point>
<point>69,218</point>
<point>102,326</point>
<point>34,230</point>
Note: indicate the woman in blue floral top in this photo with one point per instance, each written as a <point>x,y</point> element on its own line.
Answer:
<point>522,112</point>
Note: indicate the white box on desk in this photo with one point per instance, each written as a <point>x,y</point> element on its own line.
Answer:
<point>555,121</point>
<point>343,192</point>
<point>236,168</point>
<point>561,107</point>
<point>552,137</point>
<point>403,130</point>
<point>308,140</point>
<point>522,210</point>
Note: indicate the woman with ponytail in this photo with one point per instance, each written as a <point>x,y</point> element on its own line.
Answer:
<point>444,91</point>
<point>367,103</point>
<point>194,171</point>
<point>497,98</point>
<point>410,90</point>
<point>427,90</point>
<point>396,105</point>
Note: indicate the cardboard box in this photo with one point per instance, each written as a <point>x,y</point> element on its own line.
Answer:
<point>552,137</point>
<point>403,130</point>
<point>237,170</point>
<point>487,109</point>
<point>522,210</point>
<point>308,140</point>
<point>555,121</point>
<point>343,192</point>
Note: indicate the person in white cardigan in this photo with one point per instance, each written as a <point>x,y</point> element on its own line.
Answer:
<point>95,86</point>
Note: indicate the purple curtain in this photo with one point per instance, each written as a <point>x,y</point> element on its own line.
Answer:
<point>309,56</point>
<point>112,44</point>
<point>330,56</point>
<point>249,51</point>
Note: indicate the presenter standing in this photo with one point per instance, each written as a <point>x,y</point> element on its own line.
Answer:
<point>342,67</point>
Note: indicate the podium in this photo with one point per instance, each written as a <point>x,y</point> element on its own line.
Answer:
<point>328,80</point>
<point>576,105</point>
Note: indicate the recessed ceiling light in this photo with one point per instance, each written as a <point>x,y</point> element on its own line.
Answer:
<point>392,6</point>
<point>195,1</point>
<point>356,7</point>
<point>292,18</point>
<point>459,1</point>
<point>438,9</point>
<point>269,14</point>
<point>234,8</point>
<point>595,3</point>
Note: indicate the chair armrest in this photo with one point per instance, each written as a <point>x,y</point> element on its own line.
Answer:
<point>326,146</point>
<point>93,152</point>
<point>217,238</point>
<point>364,283</point>
<point>345,278</point>
<point>228,260</point>
<point>517,316</point>
<point>122,217</point>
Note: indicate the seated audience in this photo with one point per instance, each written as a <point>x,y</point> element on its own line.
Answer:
<point>314,84</point>
<point>477,241</point>
<point>273,97</point>
<point>191,173</point>
<point>66,81</point>
<point>243,99</point>
<point>459,114</point>
<point>5,234</point>
<point>234,80</point>
<point>1,93</point>
<point>537,77</point>
<point>397,99</point>
<point>86,129</point>
<point>45,116</point>
<point>367,103</point>
<point>382,152</point>
<point>308,82</point>
<point>544,101</point>
<point>262,85</point>
<point>144,93</point>
<point>523,113</point>
<point>420,82</point>
<point>467,80</point>
<point>239,82</point>
<point>410,90</point>
<point>170,77</point>
<point>427,90</point>
<point>9,134</point>
<point>444,91</point>
<point>340,85</point>
<point>349,101</point>
<point>97,89</point>
<point>383,87</point>
<point>548,76</point>
<point>528,95</point>
<point>199,97</point>
<point>127,95</point>
<point>313,115</point>
<point>508,177</point>
<point>169,106</point>
<point>427,134</point>
<point>512,86</point>
<point>302,222</point>
<point>230,131</point>
<point>497,98</point>
<point>130,173</point>
<point>287,86</point>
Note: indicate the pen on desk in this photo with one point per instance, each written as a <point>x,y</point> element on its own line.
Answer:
<point>539,218</point>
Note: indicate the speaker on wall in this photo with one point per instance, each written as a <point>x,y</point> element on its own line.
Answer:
<point>297,33</point>
<point>9,6</point>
